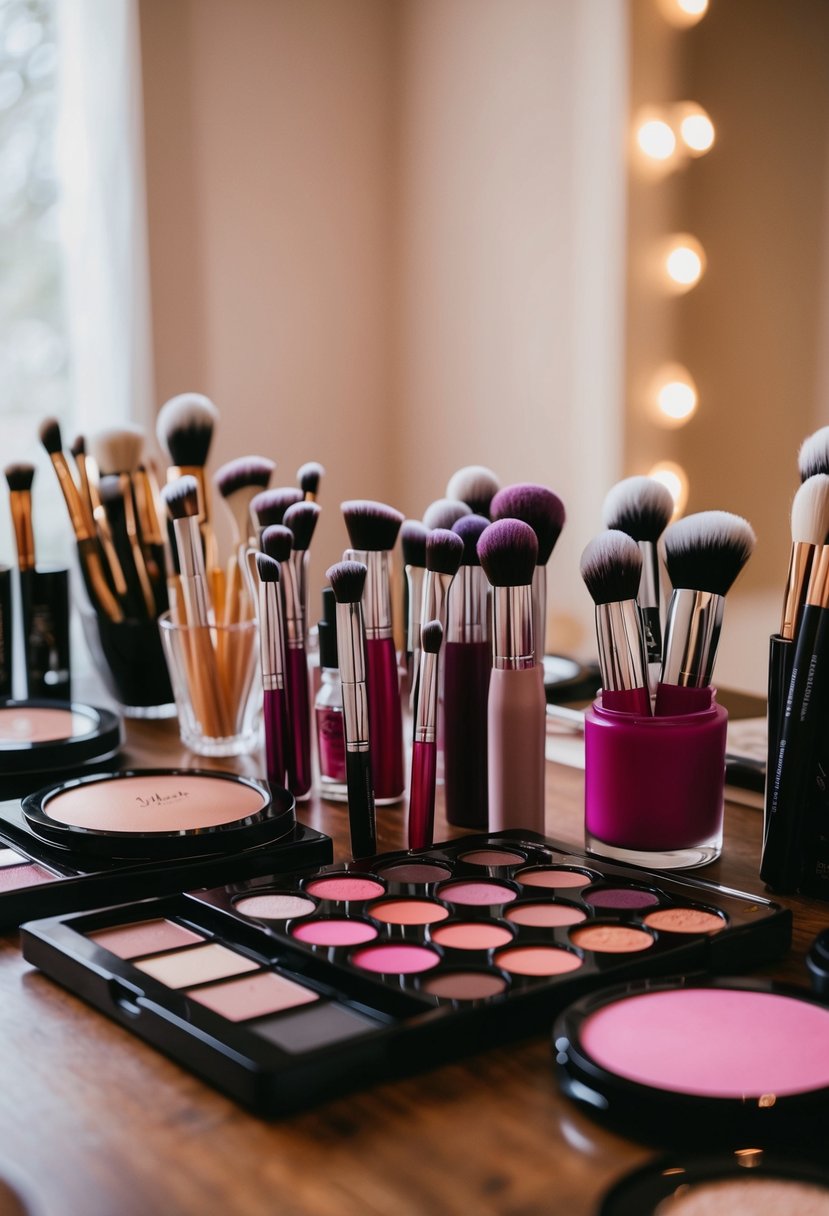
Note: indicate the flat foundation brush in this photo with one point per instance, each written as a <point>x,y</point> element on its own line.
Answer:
<point>611,567</point>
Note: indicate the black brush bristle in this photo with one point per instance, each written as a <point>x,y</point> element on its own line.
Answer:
<point>269,506</point>
<point>242,473</point>
<point>413,542</point>
<point>302,518</point>
<point>508,550</point>
<point>611,566</point>
<point>20,476</point>
<point>640,506</point>
<point>476,485</point>
<point>706,552</point>
<point>431,636</point>
<point>444,550</point>
<point>309,476</point>
<point>537,506</point>
<point>813,456</point>
<point>372,526</point>
<point>185,427</point>
<point>78,447</point>
<point>277,541</point>
<point>470,529</point>
<point>181,496</point>
<point>49,432</point>
<point>267,568</point>
<point>444,513</point>
<point>347,581</point>
<point>111,494</point>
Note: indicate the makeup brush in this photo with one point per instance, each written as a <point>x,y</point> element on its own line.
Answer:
<point>277,543</point>
<point>110,493</point>
<point>271,648</point>
<point>642,507</point>
<point>117,452</point>
<point>89,551</point>
<point>813,456</point>
<point>185,427</point>
<point>467,664</point>
<point>238,482</point>
<point>87,477</point>
<point>301,518</point>
<point>704,553</point>
<point>611,566</point>
<point>476,485</point>
<point>444,512</point>
<point>20,478</point>
<point>544,512</point>
<point>424,748</point>
<point>413,544</point>
<point>444,550</point>
<point>516,713</point>
<point>372,529</point>
<point>348,580</point>
<point>152,539</point>
<point>269,506</point>
<point>78,450</point>
<point>308,478</point>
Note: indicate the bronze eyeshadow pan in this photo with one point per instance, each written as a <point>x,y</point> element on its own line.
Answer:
<point>285,989</point>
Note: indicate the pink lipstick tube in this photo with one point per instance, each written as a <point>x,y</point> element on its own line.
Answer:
<point>297,684</point>
<point>275,707</point>
<point>467,668</point>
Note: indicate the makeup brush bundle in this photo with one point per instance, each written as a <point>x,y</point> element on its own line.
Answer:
<point>796,828</point>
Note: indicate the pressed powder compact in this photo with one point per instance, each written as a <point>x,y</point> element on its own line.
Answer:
<point>286,989</point>
<point>116,836</point>
<point>44,736</point>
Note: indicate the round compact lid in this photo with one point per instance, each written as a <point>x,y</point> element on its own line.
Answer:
<point>160,813</point>
<point>724,1061</point>
<point>39,736</point>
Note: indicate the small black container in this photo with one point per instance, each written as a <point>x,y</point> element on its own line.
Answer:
<point>130,659</point>
<point>6,632</point>
<point>44,595</point>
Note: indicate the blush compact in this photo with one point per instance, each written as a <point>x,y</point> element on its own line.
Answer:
<point>288,988</point>
<point>106,837</point>
<point>43,736</point>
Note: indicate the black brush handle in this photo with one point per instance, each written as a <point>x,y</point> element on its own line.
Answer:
<point>789,783</point>
<point>361,817</point>
<point>781,657</point>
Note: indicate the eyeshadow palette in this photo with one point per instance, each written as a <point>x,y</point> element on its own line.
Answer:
<point>127,835</point>
<point>283,990</point>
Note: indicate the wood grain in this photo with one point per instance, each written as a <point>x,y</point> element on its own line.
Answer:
<point>106,1126</point>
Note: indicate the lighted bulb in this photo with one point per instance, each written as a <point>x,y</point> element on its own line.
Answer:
<point>673,395</point>
<point>675,480</point>
<point>684,262</point>
<point>696,130</point>
<point>656,139</point>
<point>684,13</point>
<point>693,8</point>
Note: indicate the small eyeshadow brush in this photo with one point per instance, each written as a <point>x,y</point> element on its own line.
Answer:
<point>301,518</point>
<point>476,485</point>
<point>611,567</point>
<point>444,551</point>
<point>508,550</point>
<point>308,478</point>
<point>413,543</point>
<point>424,748</point>
<point>238,482</point>
<point>277,543</point>
<point>272,651</point>
<point>348,581</point>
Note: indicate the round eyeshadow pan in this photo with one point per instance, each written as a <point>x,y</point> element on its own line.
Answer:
<point>685,920</point>
<point>465,985</point>
<point>471,935</point>
<point>334,931</point>
<point>621,897</point>
<point>343,887</point>
<point>492,857</point>
<point>400,958</point>
<point>480,893</point>
<point>553,877</point>
<point>549,915</point>
<point>274,905</point>
<point>611,939</point>
<point>537,960</point>
<point>407,911</point>
<point>415,872</point>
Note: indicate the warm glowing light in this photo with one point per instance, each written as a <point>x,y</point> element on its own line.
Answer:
<point>694,8</point>
<point>656,139</point>
<point>673,397</point>
<point>675,480</point>
<point>684,262</point>
<point>684,13</point>
<point>696,130</point>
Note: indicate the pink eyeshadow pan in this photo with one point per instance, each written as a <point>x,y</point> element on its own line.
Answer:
<point>611,939</point>
<point>146,937</point>
<point>408,911</point>
<point>471,935</point>
<point>478,894</point>
<point>15,877</point>
<point>717,1042</point>
<point>331,931</point>
<point>492,857</point>
<point>196,965</point>
<point>343,887</point>
<point>685,920</point>
<point>545,916</point>
<point>402,959</point>
<point>552,878</point>
<point>537,960</point>
<point>253,996</point>
<point>621,897</point>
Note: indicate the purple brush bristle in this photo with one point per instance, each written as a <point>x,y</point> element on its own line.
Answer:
<point>302,518</point>
<point>444,550</point>
<point>270,506</point>
<point>508,550</point>
<point>347,581</point>
<point>243,473</point>
<point>537,506</point>
<point>268,568</point>
<point>413,542</point>
<point>431,636</point>
<point>277,541</point>
<point>372,526</point>
<point>469,529</point>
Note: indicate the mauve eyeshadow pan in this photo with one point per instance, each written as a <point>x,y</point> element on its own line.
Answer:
<point>313,1026</point>
<point>145,937</point>
<point>14,878</point>
<point>253,996</point>
<point>415,872</point>
<point>621,897</point>
<point>465,985</point>
<point>493,857</point>
<point>197,965</point>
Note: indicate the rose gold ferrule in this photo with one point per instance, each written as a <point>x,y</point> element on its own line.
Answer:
<point>818,593</point>
<point>797,580</point>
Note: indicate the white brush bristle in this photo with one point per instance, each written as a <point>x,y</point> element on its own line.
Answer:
<point>187,420</point>
<point>117,449</point>
<point>640,506</point>
<point>611,566</point>
<point>476,485</point>
<point>444,512</point>
<point>813,456</point>
<point>706,551</point>
<point>810,511</point>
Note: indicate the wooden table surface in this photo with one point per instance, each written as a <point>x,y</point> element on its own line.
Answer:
<point>103,1125</point>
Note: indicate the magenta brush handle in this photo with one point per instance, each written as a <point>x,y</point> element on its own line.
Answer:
<point>277,738</point>
<point>466,670</point>
<point>516,721</point>
<point>385,719</point>
<point>299,757</point>
<point>672,700</point>
<point>422,797</point>
<point>628,701</point>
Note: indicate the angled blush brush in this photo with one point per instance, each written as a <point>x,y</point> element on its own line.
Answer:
<point>476,485</point>
<point>272,652</point>
<point>516,716</point>
<point>424,747</point>
<point>611,567</point>
<point>277,543</point>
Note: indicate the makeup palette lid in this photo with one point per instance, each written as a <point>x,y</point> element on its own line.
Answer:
<point>160,813</point>
<point>39,735</point>
<point>722,1062</point>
